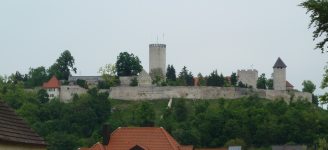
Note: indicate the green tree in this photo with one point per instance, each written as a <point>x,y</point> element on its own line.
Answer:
<point>170,73</point>
<point>128,64</point>
<point>134,82</point>
<point>183,76</point>
<point>190,79</point>
<point>146,112</point>
<point>261,82</point>
<point>81,82</point>
<point>108,73</point>
<point>43,96</point>
<point>269,82</point>
<point>319,19</point>
<point>181,110</point>
<point>37,76</point>
<point>233,79</point>
<point>29,112</point>
<point>308,86</point>
<point>63,66</point>
<point>323,145</point>
<point>63,141</point>
<point>201,81</point>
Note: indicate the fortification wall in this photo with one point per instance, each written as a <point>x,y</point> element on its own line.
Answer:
<point>248,77</point>
<point>157,57</point>
<point>126,80</point>
<point>151,93</point>
<point>67,92</point>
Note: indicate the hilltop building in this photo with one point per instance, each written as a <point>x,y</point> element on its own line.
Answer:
<point>147,91</point>
<point>15,133</point>
<point>157,57</point>
<point>279,75</point>
<point>52,87</point>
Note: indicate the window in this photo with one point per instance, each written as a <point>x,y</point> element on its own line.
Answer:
<point>51,95</point>
<point>140,81</point>
<point>147,81</point>
<point>143,74</point>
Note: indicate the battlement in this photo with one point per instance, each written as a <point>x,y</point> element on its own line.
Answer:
<point>248,70</point>
<point>157,45</point>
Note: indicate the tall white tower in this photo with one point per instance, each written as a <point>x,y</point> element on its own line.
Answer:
<point>157,57</point>
<point>279,75</point>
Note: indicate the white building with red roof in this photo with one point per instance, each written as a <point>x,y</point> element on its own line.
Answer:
<point>52,87</point>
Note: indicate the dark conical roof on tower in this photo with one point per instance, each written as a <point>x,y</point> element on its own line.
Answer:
<point>279,64</point>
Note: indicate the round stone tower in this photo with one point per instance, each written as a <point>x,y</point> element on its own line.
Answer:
<point>157,57</point>
<point>279,75</point>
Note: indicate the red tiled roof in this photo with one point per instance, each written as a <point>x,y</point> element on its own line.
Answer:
<point>97,146</point>
<point>196,80</point>
<point>186,147</point>
<point>125,138</point>
<point>209,149</point>
<point>52,83</point>
<point>288,84</point>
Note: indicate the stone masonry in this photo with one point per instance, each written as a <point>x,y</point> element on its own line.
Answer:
<point>157,57</point>
<point>248,77</point>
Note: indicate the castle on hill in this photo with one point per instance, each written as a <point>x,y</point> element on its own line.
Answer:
<point>157,60</point>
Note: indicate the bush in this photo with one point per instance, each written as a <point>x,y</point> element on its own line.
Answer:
<point>80,82</point>
<point>65,83</point>
<point>134,82</point>
<point>235,142</point>
<point>103,85</point>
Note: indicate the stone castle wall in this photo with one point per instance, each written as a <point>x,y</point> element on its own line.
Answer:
<point>248,77</point>
<point>202,92</point>
<point>67,92</point>
<point>152,93</point>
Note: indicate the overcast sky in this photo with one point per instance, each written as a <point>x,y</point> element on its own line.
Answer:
<point>202,35</point>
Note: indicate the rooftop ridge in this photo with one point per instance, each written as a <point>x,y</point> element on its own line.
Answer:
<point>167,137</point>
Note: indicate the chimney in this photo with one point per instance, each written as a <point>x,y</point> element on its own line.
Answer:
<point>152,124</point>
<point>106,134</point>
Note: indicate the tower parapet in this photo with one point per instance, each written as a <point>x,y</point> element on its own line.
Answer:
<point>157,45</point>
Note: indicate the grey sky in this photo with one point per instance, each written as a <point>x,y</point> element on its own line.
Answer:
<point>202,35</point>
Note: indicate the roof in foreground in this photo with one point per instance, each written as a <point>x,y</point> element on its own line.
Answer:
<point>53,83</point>
<point>125,138</point>
<point>279,64</point>
<point>14,129</point>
